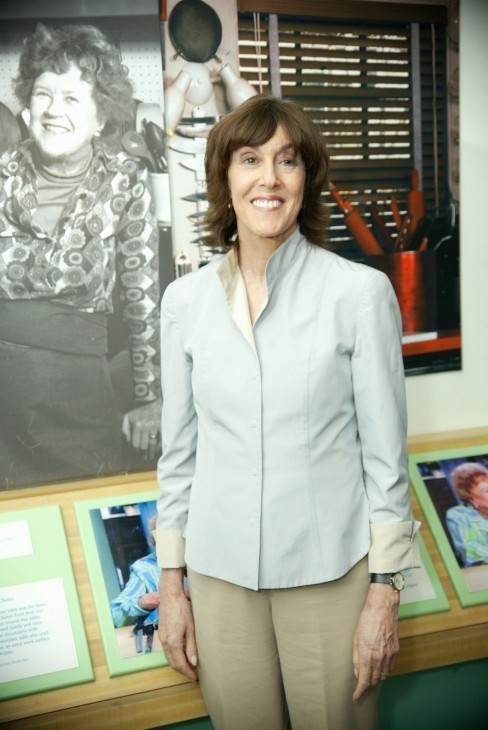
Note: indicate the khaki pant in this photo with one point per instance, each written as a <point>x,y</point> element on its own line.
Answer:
<point>272,657</point>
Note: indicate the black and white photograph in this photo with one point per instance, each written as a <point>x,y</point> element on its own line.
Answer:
<point>85,241</point>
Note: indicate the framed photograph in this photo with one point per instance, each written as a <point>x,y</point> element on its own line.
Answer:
<point>43,641</point>
<point>82,270</point>
<point>452,489</point>
<point>120,556</point>
<point>423,592</point>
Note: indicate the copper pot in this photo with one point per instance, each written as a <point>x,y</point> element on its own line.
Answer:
<point>413,276</point>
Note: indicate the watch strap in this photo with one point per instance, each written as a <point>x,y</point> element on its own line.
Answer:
<point>396,580</point>
<point>380,578</point>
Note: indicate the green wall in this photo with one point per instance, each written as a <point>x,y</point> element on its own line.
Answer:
<point>448,698</point>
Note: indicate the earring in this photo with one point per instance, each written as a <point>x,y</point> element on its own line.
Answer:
<point>228,206</point>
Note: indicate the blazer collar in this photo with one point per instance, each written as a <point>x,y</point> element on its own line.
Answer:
<point>283,257</point>
<point>230,276</point>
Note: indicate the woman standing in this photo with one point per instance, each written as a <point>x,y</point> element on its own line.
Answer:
<point>283,480</point>
<point>76,223</point>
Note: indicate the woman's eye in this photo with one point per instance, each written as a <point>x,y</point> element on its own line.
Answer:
<point>249,160</point>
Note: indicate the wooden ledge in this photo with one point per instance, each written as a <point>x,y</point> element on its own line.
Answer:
<point>159,697</point>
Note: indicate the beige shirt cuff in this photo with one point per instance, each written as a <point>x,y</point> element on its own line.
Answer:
<point>394,546</point>
<point>170,548</point>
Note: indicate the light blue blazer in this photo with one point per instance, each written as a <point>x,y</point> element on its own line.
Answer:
<point>284,442</point>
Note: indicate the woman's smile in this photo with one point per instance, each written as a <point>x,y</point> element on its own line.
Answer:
<point>267,203</point>
<point>56,128</point>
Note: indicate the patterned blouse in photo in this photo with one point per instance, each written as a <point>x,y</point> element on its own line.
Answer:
<point>107,233</point>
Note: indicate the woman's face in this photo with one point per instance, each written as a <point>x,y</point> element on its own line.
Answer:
<point>479,495</point>
<point>266,186</point>
<point>63,116</point>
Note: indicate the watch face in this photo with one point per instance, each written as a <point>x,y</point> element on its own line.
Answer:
<point>398,581</point>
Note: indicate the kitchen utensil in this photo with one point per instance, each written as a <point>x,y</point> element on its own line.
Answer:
<point>402,238</point>
<point>415,198</point>
<point>156,142</point>
<point>412,227</point>
<point>383,233</point>
<point>149,112</point>
<point>396,213</point>
<point>194,130</point>
<point>195,197</point>
<point>237,89</point>
<point>356,225</point>
<point>201,88</point>
<point>198,121</point>
<point>182,264</point>
<point>195,30</point>
<point>197,164</point>
<point>418,234</point>
<point>135,144</point>
<point>188,146</point>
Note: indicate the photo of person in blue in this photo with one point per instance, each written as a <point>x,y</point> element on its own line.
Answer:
<point>139,599</point>
<point>468,522</point>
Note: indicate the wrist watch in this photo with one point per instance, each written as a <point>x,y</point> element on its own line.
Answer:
<point>395,580</point>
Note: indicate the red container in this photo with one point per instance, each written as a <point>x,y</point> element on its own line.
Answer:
<point>413,276</point>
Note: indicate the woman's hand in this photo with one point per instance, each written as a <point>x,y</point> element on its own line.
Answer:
<point>376,642</point>
<point>175,624</point>
<point>141,427</point>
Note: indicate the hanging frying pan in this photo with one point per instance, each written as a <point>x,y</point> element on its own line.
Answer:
<point>195,30</point>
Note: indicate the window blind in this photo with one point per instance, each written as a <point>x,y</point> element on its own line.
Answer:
<point>355,79</point>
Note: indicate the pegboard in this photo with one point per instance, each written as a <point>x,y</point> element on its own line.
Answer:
<point>10,47</point>
<point>143,57</point>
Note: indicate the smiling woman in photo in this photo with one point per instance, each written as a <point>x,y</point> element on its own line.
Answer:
<point>76,229</point>
<point>468,522</point>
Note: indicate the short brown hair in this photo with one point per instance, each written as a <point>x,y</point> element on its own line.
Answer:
<point>254,123</point>
<point>465,477</point>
